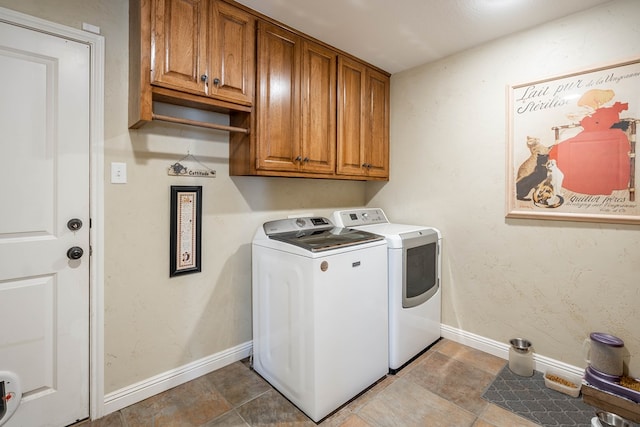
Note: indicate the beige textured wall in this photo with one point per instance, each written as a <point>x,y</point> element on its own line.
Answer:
<point>153,323</point>
<point>549,281</point>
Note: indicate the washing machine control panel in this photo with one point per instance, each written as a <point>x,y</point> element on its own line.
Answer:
<point>296,224</point>
<point>358,217</point>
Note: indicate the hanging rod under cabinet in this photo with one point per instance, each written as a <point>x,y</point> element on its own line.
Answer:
<point>198,123</point>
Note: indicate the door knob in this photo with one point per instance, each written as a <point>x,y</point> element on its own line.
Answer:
<point>75,252</point>
<point>74,224</point>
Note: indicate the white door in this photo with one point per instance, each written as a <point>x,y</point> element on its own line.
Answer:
<point>44,183</point>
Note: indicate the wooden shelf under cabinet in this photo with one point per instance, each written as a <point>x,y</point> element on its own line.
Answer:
<point>198,54</point>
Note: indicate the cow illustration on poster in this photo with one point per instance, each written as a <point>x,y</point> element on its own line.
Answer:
<point>571,147</point>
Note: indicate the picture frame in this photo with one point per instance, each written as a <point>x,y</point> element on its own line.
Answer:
<point>186,230</point>
<point>571,146</point>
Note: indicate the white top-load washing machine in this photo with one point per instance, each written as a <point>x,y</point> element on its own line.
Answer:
<point>320,311</point>
<point>415,259</point>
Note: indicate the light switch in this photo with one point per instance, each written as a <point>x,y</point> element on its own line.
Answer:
<point>118,173</point>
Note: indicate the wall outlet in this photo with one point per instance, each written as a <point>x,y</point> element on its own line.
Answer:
<point>118,173</point>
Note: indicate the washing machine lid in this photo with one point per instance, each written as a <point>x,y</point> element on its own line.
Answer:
<point>316,234</point>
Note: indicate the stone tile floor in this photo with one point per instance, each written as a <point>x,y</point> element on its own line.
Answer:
<point>442,387</point>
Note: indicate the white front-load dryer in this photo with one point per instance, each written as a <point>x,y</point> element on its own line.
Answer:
<point>414,282</point>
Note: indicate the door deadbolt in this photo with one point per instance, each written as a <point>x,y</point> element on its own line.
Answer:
<point>74,224</point>
<point>75,252</point>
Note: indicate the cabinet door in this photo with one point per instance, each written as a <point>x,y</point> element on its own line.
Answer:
<point>232,70</point>
<point>351,110</point>
<point>179,36</point>
<point>278,99</point>
<point>318,108</point>
<point>363,120</point>
<point>377,124</point>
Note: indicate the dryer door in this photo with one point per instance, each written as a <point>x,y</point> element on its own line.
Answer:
<point>420,273</point>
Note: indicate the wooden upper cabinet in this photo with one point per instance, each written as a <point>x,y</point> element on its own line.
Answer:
<point>297,106</point>
<point>203,47</point>
<point>278,99</point>
<point>351,111</point>
<point>377,129</point>
<point>318,108</point>
<point>295,103</point>
<point>179,39</point>
<point>232,72</point>
<point>363,120</point>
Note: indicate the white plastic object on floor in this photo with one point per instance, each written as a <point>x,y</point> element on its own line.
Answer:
<point>10,395</point>
<point>521,357</point>
<point>573,391</point>
<point>595,422</point>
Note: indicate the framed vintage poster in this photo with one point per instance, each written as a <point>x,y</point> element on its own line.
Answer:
<point>186,230</point>
<point>571,146</point>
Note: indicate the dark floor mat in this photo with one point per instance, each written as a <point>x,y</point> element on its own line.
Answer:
<point>531,399</point>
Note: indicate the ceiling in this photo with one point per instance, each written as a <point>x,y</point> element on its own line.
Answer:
<point>401,34</point>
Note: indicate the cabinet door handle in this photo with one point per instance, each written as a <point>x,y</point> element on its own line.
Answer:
<point>298,159</point>
<point>204,78</point>
<point>216,81</point>
<point>306,160</point>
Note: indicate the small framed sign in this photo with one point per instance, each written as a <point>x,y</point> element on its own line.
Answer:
<point>186,230</point>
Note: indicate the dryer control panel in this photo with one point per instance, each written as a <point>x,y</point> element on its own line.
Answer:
<point>358,217</point>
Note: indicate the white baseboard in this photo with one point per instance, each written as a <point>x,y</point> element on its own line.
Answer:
<point>499,349</point>
<point>144,389</point>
